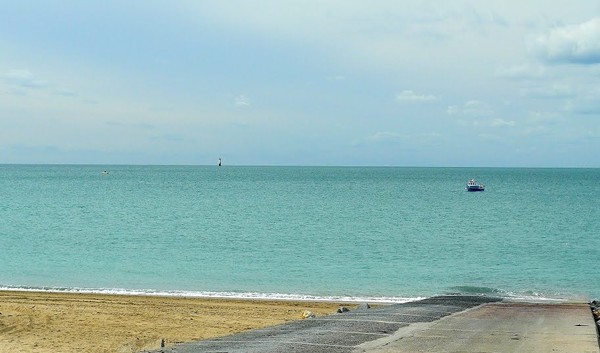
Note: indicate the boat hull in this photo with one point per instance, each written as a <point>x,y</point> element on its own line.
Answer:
<point>473,185</point>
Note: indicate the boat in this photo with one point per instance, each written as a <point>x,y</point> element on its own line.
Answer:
<point>473,185</point>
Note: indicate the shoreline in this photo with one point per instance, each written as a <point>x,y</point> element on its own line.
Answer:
<point>274,296</point>
<point>42,321</point>
<point>216,295</point>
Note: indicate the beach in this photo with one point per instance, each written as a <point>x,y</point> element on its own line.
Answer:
<point>72,322</point>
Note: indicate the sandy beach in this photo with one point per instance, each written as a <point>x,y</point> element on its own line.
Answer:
<point>62,322</point>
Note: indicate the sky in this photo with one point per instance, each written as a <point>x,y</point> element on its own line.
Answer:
<point>489,83</point>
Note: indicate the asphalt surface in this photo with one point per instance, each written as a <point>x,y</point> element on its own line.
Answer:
<point>502,327</point>
<point>338,333</point>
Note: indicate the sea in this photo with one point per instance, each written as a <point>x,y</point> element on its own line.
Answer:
<point>378,234</point>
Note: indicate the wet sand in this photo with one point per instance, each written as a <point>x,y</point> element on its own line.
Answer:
<point>63,322</point>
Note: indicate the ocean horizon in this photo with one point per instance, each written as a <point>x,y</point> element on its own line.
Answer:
<point>379,234</point>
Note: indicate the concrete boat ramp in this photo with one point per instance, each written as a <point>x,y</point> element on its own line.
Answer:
<point>438,324</point>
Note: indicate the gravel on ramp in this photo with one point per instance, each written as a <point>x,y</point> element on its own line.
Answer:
<point>337,333</point>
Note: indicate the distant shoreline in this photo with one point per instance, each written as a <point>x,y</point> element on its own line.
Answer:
<point>103,166</point>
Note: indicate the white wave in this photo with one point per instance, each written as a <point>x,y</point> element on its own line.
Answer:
<point>218,295</point>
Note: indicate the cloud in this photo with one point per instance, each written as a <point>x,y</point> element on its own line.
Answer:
<point>472,108</point>
<point>501,122</point>
<point>65,92</point>
<point>242,101</point>
<point>120,124</point>
<point>575,44</point>
<point>385,136</point>
<point>410,96</point>
<point>588,103</point>
<point>23,78</point>
<point>172,137</point>
<point>523,72</point>
<point>539,117</point>
<point>19,81</point>
<point>394,137</point>
<point>548,92</point>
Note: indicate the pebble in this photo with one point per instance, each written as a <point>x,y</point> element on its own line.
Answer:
<point>342,309</point>
<point>307,314</point>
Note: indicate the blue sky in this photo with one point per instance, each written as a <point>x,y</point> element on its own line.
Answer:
<point>399,83</point>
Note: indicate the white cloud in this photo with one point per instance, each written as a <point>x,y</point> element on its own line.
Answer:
<point>538,117</point>
<point>384,136</point>
<point>551,91</point>
<point>409,95</point>
<point>501,122</point>
<point>137,125</point>
<point>579,44</point>
<point>584,104</point>
<point>523,72</point>
<point>23,78</point>
<point>381,136</point>
<point>436,54</point>
<point>22,81</point>
<point>472,108</point>
<point>242,101</point>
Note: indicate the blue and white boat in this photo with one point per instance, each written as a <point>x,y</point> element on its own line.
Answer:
<point>473,185</point>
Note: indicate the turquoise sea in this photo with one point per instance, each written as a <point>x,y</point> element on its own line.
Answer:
<point>376,233</point>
